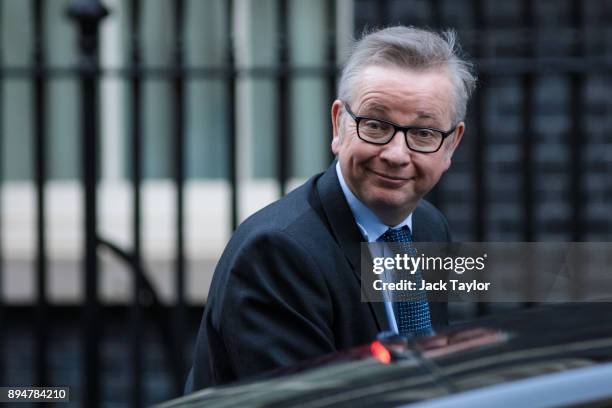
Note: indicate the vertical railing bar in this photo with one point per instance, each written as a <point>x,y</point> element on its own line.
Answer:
<point>283,149</point>
<point>436,14</point>
<point>435,195</point>
<point>382,14</point>
<point>136,132</point>
<point>40,169</point>
<point>479,138</point>
<point>179,180</point>
<point>527,131</point>
<point>3,376</point>
<point>480,204</point>
<point>528,41</point>
<point>88,15</point>
<point>231,116</point>
<point>332,68</point>
<point>604,23</point>
<point>577,135</point>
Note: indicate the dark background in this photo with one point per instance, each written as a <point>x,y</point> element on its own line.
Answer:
<point>535,165</point>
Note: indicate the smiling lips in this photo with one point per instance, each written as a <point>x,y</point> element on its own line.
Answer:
<point>391,179</point>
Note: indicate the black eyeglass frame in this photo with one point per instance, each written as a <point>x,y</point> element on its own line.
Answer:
<point>396,128</point>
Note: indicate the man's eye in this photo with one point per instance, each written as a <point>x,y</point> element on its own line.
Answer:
<point>424,133</point>
<point>375,125</point>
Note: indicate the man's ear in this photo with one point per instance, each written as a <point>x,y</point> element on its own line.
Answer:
<point>455,140</point>
<point>336,118</point>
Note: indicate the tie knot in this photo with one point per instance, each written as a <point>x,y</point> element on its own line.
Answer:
<point>397,235</point>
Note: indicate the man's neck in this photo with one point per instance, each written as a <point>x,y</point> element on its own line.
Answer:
<point>392,218</point>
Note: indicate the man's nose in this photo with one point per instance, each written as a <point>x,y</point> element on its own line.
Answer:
<point>396,152</point>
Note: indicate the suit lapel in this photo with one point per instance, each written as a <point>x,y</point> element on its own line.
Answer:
<point>340,217</point>
<point>345,230</point>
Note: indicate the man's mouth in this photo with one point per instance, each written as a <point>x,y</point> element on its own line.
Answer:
<point>390,181</point>
<point>392,177</point>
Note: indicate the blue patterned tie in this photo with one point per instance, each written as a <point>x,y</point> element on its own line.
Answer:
<point>413,317</point>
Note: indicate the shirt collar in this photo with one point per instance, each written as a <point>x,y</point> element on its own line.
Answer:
<point>370,225</point>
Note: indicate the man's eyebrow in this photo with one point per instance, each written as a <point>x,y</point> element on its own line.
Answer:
<point>425,115</point>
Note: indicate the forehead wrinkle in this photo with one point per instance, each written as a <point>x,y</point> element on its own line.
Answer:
<point>375,107</point>
<point>377,100</point>
<point>372,100</point>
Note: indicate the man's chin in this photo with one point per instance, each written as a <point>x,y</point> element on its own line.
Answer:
<point>395,198</point>
<point>394,205</point>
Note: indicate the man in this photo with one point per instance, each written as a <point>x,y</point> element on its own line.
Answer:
<point>287,287</point>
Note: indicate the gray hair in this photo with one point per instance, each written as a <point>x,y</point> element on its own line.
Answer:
<point>411,48</point>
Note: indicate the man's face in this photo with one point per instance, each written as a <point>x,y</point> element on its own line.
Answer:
<point>390,179</point>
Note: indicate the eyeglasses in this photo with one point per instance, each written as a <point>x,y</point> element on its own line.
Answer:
<point>380,132</point>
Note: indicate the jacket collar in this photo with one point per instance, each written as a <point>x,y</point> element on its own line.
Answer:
<point>340,218</point>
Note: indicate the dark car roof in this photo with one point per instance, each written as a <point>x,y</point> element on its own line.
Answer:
<point>521,345</point>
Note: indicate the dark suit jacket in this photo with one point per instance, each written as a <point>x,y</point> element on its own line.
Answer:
<point>287,287</point>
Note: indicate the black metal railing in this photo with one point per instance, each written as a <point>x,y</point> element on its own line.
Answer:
<point>136,162</point>
<point>146,305</point>
<point>40,177</point>
<point>88,16</point>
<point>2,140</point>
